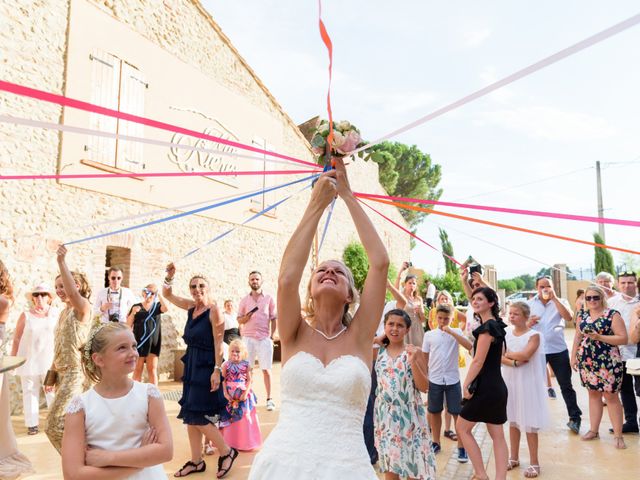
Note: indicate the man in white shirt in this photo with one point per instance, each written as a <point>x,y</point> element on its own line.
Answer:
<point>431,293</point>
<point>441,349</point>
<point>626,302</point>
<point>549,315</point>
<point>114,302</point>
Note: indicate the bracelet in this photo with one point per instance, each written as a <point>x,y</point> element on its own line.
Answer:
<point>168,281</point>
<point>217,368</point>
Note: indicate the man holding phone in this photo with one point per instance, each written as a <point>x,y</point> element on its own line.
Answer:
<point>257,319</point>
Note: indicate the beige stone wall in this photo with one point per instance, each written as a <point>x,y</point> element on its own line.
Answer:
<point>36,215</point>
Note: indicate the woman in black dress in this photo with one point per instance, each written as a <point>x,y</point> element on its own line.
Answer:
<point>202,404</point>
<point>484,391</point>
<point>145,320</point>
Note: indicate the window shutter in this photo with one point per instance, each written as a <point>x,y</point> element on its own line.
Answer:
<point>104,92</point>
<point>130,155</point>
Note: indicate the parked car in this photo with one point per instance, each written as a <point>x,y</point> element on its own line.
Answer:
<point>522,295</point>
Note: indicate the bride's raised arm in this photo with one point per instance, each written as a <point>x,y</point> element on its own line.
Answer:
<point>367,317</point>
<point>296,255</point>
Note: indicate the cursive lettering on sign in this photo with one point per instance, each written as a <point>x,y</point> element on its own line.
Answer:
<point>194,160</point>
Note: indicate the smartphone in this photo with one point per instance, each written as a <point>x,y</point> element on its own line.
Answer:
<point>253,310</point>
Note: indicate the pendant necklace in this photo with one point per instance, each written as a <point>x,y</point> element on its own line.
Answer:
<point>344,328</point>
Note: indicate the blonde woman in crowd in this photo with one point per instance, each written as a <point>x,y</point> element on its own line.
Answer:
<point>71,332</point>
<point>596,356</point>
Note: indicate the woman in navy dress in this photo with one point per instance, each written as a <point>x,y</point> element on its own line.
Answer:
<point>484,391</point>
<point>202,404</point>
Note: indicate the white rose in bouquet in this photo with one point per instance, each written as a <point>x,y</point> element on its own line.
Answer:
<point>343,126</point>
<point>338,140</point>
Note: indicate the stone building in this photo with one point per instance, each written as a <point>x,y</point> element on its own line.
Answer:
<point>165,60</point>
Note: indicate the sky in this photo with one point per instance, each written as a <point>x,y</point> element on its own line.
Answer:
<point>531,145</point>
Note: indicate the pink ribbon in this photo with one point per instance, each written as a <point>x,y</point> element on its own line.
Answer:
<point>90,107</point>
<point>536,213</point>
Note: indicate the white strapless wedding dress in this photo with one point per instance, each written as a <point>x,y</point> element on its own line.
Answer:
<point>319,432</point>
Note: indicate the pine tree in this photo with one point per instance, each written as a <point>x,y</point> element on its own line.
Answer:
<point>447,248</point>
<point>603,259</point>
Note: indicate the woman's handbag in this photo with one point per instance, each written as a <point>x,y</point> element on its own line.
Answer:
<point>633,366</point>
<point>51,378</point>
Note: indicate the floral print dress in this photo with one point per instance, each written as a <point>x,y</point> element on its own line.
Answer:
<point>599,363</point>
<point>402,434</point>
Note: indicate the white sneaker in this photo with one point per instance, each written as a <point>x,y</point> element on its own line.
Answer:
<point>270,405</point>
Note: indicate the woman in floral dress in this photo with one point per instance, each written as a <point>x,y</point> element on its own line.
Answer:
<point>401,430</point>
<point>596,357</point>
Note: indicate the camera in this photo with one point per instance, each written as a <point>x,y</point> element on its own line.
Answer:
<point>475,267</point>
<point>409,264</point>
<point>114,317</point>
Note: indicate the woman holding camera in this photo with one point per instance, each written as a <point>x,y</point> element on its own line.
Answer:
<point>595,355</point>
<point>145,320</point>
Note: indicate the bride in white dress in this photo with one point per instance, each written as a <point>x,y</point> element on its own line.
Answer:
<point>326,377</point>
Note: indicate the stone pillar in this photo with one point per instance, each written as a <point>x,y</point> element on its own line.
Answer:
<point>491,276</point>
<point>559,276</point>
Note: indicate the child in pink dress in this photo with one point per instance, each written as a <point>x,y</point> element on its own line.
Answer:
<point>241,430</point>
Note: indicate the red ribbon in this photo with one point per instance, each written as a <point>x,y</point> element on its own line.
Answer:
<point>327,42</point>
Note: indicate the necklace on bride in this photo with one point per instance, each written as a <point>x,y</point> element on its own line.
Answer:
<point>344,329</point>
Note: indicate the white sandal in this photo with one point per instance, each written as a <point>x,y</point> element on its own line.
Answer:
<point>532,471</point>
<point>513,464</point>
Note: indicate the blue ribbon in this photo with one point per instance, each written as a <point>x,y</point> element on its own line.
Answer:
<point>190,212</point>
<point>326,225</point>
<point>259,214</point>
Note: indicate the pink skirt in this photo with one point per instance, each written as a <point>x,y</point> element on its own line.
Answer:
<point>244,434</point>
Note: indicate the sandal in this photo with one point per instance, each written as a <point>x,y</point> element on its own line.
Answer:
<point>619,443</point>
<point>532,471</point>
<point>233,454</point>
<point>590,435</point>
<point>451,434</point>
<point>513,464</point>
<point>195,468</point>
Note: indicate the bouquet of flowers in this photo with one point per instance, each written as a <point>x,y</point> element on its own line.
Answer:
<point>346,138</point>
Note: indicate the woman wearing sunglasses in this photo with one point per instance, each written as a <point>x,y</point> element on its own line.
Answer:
<point>202,401</point>
<point>595,355</point>
<point>33,340</point>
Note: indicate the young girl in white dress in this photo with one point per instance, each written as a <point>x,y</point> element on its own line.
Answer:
<point>525,373</point>
<point>118,429</point>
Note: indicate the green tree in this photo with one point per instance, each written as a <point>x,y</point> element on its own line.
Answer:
<point>508,285</point>
<point>447,248</point>
<point>417,176</point>
<point>355,257</point>
<point>449,281</point>
<point>528,280</point>
<point>603,259</point>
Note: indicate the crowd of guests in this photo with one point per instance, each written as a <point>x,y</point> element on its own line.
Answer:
<point>89,361</point>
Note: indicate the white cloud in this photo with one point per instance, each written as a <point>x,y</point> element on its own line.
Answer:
<point>544,122</point>
<point>475,38</point>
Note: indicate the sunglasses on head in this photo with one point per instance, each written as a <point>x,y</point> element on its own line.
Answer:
<point>40,294</point>
<point>592,298</point>
<point>197,285</point>
<point>627,274</point>
<point>116,278</point>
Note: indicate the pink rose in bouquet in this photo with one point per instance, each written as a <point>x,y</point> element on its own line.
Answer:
<point>351,141</point>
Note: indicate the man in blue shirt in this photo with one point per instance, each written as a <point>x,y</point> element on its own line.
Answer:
<point>548,316</point>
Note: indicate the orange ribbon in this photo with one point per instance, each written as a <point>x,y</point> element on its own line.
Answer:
<point>502,225</point>
<point>327,42</point>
